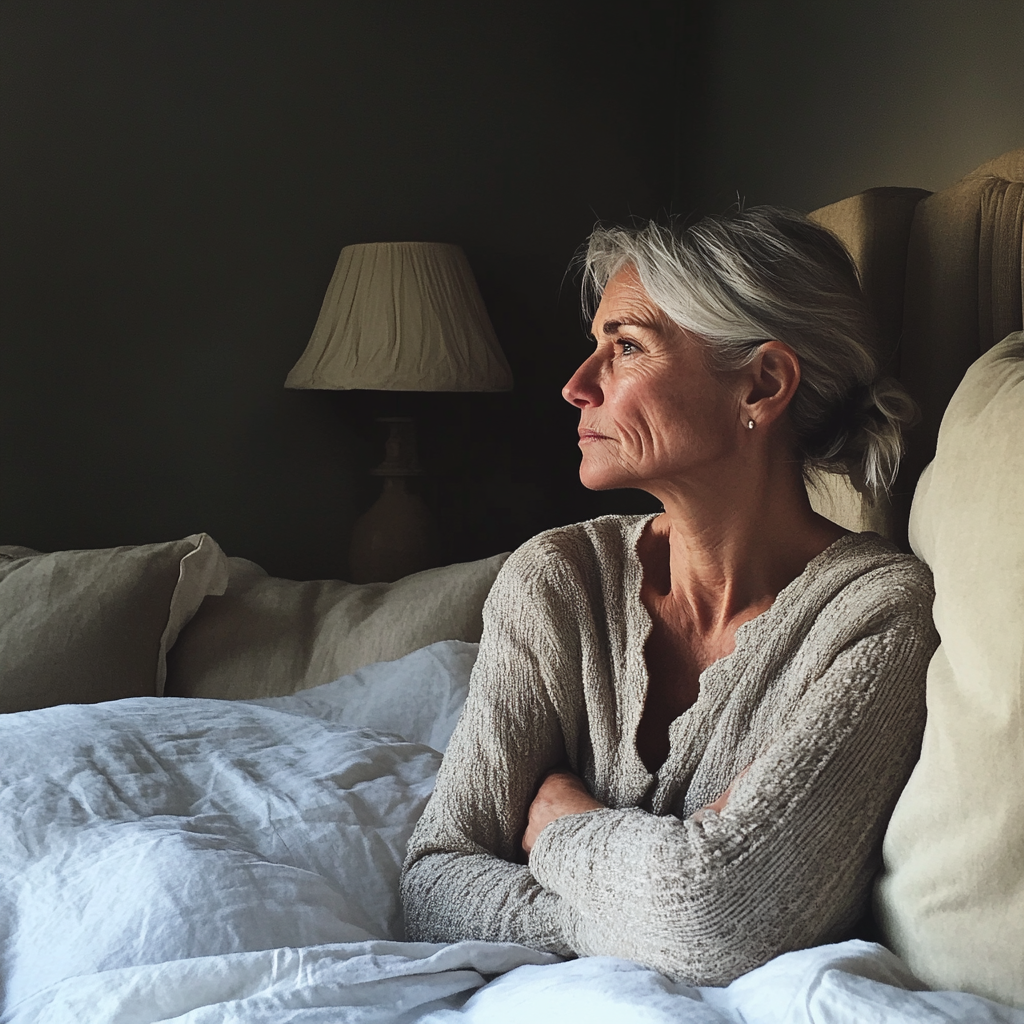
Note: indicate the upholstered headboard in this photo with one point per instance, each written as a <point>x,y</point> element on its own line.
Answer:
<point>944,275</point>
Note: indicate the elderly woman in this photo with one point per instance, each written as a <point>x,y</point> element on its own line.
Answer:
<point>685,731</point>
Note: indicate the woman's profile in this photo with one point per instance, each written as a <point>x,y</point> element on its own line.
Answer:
<point>686,731</point>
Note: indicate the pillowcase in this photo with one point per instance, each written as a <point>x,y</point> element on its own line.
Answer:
<point>269,637</point>
<point>88,626</point>
<point>951,898</point>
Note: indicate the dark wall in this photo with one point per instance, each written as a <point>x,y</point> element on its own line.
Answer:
<point>816,101</point>
<point>176,181</point>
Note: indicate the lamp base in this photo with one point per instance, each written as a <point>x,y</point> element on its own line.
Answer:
<point>393,538</point>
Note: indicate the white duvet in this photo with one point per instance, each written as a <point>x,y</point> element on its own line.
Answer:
<point>203,861</point>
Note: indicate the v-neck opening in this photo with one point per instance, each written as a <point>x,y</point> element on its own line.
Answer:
<point>645,623</point>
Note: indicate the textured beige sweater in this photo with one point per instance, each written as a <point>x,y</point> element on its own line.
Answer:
<point>823,694</point>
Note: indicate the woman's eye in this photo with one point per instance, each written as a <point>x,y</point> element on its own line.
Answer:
<point>627,347</point>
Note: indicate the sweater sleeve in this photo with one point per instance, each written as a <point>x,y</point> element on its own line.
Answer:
<point>465,875</point>
<point>788,862</point>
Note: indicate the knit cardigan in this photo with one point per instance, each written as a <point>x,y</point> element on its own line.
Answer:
<point>823,696</point>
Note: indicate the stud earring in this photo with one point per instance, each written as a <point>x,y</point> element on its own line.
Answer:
<point>750,424</point>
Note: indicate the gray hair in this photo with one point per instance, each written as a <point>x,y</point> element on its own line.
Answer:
<point>740,279</point>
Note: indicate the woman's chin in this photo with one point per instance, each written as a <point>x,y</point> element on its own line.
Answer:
<point>598,480</point>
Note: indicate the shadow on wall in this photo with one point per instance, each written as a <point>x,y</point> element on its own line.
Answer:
<point>813,102</point>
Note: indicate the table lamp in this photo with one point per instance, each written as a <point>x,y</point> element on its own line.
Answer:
<point>400,316</point>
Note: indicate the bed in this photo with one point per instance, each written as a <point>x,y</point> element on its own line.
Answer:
<point>208,776</point>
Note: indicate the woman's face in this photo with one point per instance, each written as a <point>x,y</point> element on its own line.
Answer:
<point>651,412</point>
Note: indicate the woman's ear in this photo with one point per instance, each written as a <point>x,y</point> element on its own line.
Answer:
<point>772,380</point>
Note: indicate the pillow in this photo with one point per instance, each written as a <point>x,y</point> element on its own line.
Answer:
<point>88,626</point>
<point>418,697</point>
<point>951,898</point>
<point>268,637</point>
<point>9,551</point>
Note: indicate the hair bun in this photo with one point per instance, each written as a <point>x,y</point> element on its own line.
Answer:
<point>865,430</point>
<point>832,438</point>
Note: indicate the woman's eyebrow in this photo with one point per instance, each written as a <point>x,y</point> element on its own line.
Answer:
<point>612,326</point>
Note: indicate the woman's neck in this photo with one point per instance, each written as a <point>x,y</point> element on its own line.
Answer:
<point>723,551</point>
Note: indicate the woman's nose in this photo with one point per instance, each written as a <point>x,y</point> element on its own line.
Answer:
<point>583,389</point>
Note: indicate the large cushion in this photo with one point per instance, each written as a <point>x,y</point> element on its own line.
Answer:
<point>269,637</point>
<point>874,226</point>
<point>87,626</point>
<point>951,898</point>
<point>964,289</point>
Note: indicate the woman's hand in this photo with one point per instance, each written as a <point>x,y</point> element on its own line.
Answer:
<point>560,793</point>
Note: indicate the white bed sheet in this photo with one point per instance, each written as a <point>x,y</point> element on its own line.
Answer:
<point>201,861</point>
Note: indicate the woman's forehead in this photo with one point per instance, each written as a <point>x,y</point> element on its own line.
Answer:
<point>625,303</point>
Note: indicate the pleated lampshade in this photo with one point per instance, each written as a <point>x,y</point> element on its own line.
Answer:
<point>403,316</point>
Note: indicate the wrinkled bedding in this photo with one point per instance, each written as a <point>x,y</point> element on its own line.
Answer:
<point>206,861</point>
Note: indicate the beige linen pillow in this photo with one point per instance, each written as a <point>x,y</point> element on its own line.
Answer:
<point>951,898</point>
<point>268,637</point>
<point>87,626</point>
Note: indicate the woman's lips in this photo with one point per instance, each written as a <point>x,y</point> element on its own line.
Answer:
<point>591,435</point>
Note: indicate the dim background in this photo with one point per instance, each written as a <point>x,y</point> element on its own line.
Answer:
<point>178,178</point>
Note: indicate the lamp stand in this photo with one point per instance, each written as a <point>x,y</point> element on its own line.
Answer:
<point>394,537</point>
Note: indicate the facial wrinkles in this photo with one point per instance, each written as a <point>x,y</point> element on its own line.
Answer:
<point>654,401</point>
<point>661,384</point>
<point>636,412</point>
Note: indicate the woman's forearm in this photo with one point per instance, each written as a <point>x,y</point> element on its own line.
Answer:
<point>449,897</point>
<point>562,793</point>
